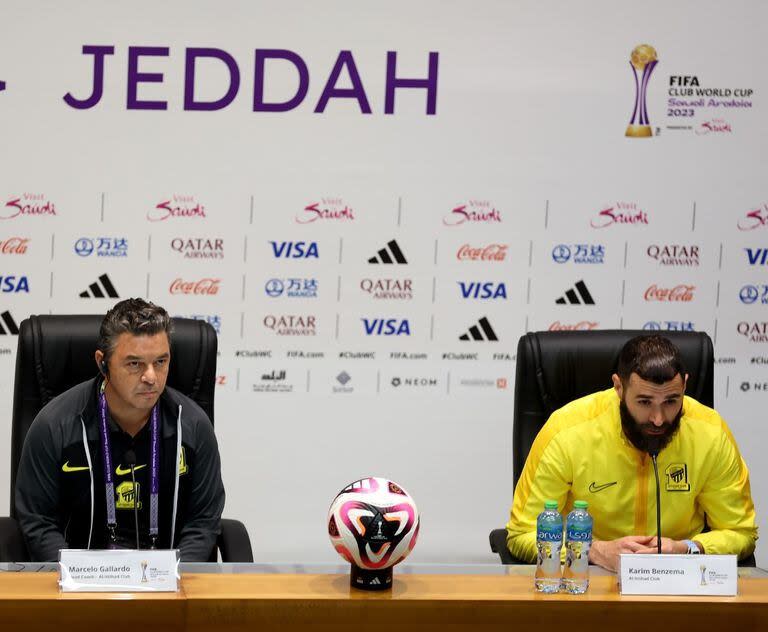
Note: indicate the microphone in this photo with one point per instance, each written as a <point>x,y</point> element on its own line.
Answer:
<point>653,450</point>
<point>130,460</point>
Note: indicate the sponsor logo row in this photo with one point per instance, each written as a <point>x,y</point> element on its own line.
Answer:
<point>335,210</point>
<point>212,248</point>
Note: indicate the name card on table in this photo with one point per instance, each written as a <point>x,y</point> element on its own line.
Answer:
<point>677,574</point>
<point>123,570</point>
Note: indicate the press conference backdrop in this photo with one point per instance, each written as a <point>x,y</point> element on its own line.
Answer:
<point>372,202</point>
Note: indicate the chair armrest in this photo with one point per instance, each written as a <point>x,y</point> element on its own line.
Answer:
<point>12,546</point>
<point>498,541</point>
<point>234,543</point>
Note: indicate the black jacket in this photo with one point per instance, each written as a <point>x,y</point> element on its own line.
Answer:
<point>60,490</point>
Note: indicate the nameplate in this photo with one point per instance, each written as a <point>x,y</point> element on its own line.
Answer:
<point>677,574</point>
<point>123,570</point>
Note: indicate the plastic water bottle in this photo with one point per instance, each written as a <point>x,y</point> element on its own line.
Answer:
<point>549,541</point>
<point>578,539</point>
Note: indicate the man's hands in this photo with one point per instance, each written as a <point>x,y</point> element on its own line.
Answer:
<point>606,553</point>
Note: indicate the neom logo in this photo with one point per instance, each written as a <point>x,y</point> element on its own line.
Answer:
<point>27,204</point>
<point>177,206</point>
<point>207,286</point>
<point>620,213</point>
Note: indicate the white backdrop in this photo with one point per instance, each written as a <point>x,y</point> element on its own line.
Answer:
<point>523,152</point>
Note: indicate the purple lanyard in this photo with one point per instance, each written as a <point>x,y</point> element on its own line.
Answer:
<point>154,469</point>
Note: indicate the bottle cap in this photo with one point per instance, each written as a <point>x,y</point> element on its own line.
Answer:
<point>581,504</point>
<point>550,504</point>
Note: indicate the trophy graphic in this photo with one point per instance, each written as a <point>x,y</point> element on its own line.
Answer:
<point>643,59</point>
<point>144,579</point>
<point>703,570</point>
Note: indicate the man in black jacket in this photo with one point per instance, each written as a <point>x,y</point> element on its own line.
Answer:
<point>74,487</point>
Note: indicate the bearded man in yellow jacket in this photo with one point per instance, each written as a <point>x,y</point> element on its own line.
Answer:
<point>597,449</point>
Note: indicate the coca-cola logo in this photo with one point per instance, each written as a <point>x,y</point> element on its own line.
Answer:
<point>27,204</point>
<point>754,331</point>
<point>755,218</point>
<point>679,293</point>
<point>14,246</point>
<point>491,252</point>
<point>582,325</point>
<point>325,209</point>
<point>177,206</point>
<point>207,286</point>
<point>475,211</point>
<point>620,213</point>
<point>715,126</point>
<point>198,247</point>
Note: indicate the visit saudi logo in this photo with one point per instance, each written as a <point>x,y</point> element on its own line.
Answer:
<point>642,61</point>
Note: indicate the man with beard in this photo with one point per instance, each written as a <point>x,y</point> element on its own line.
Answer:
<point>597,449</point>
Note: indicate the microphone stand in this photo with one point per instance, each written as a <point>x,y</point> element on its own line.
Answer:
<point>654,452</point>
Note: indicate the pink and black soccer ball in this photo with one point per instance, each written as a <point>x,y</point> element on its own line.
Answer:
<point>373,523</point>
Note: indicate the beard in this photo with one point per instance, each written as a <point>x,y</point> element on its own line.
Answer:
<point>642,441</point>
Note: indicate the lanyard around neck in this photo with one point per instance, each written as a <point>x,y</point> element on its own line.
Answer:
<point>154,469</point>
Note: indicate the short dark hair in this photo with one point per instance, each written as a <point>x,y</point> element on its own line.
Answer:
<point>654,358</point>
<point>134,316</point>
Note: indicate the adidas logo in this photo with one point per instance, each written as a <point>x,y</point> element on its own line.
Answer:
<point>476,331</point>
<point>375,582</point>
<point>100,288</point>
<point>389,254</point>
<point>8,326</point>
<point>578,295</point>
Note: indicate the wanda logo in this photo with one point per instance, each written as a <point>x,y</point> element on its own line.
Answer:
<point>492,252</point>
<point>205,286</point>
<point>582,325</point>
<point>14,246</point>
<point>680,293</point>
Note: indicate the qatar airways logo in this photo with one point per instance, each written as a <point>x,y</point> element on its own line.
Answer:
<point>14,246</point>
<point>678,294</point>
<point>177,206</point>
<point>620,213</point>
<point>756,218</point>
<point>203,287</point>
<point>582,325</point>
<point>333,209</point>
<point>491,252</point>
<point>754,331</point>
<point>674,254</point>
<point>473,212</point>
<point>27,204</point>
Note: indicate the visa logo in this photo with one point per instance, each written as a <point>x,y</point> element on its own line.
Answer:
<point>14,284</point>
<point>483,290</point>
<point>757,255</point>
<point>295,249</point>
<point>386,327</point>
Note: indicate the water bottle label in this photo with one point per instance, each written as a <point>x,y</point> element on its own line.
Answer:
<point>581,535</point>
<point>577,556</point>
<point>549,536</point>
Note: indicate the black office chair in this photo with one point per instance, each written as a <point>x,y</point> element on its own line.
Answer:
<point>56,353</point>
<point>556,367</point>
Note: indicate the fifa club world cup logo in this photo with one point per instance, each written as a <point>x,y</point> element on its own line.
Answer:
<point>642,61</point>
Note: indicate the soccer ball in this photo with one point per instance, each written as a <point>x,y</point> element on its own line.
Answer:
<point>373,523</point>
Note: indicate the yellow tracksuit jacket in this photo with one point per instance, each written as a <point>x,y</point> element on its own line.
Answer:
<point>581,453</point>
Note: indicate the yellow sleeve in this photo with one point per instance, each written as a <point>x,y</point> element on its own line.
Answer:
<point>727,501</point>
<point>546,476</point>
